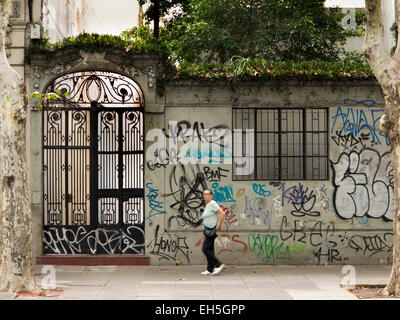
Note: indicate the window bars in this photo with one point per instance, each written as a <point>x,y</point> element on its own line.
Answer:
<point>289,143</point>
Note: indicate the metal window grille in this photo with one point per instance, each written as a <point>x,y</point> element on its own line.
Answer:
<point>289,144</point>
<point>93,151</point>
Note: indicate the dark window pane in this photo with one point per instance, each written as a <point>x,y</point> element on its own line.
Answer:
<point>290,144</point>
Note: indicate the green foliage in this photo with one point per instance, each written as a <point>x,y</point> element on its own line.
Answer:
<point>141,36</point>
<point>44,97</point>
<point>359,30</point>
<point>360,17</point>
<point>282,30</point>
<point>355,33</point>
<point>166,7</point>
<point>395,32</point>
<point>354,57</point>
<point>258,69</point>
<point>240,54</point>
<point>132,41</point>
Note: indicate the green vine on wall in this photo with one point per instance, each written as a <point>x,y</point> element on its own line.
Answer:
<point>260,70</point>
<point>351,67</point>
<point>93,42</point>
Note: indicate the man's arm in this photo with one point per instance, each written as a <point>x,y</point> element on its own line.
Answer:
<point>221,218</point>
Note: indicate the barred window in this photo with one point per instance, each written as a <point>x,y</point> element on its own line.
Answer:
<point>289,144</point>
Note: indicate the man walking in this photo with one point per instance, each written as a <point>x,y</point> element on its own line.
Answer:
<point>212,217</point>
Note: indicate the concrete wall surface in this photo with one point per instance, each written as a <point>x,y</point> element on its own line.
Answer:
<point>345,217</point>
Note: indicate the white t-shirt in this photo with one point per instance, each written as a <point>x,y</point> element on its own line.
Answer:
<point>210,215</point>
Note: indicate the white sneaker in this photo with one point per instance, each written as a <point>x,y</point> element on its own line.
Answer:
<point>218,270</point>
<point>205,273</point>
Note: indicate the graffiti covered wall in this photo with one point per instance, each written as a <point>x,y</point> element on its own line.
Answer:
<point>344,219</point>
<point>189,146</point>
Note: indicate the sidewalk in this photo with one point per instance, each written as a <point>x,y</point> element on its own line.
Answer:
<point>186,282</point>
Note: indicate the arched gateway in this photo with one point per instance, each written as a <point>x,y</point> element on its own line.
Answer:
<point>93,165</point>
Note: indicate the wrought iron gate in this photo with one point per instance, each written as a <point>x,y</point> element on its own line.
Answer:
<point>93,165</point>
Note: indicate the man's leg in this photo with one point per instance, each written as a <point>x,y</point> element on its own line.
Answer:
<point>208,250</point>
<point>215,261</point>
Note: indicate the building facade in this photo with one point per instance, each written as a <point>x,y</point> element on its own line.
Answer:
<point>301,169</point>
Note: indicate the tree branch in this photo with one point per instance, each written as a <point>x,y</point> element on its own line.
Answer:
<point>396,54</point>
<point>377,55</point>
<point>4,13</point>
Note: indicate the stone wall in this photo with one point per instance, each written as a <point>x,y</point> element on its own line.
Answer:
<point>343,219</point>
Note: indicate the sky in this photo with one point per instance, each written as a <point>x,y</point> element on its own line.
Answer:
<point>345,3</point>
<point>111,17</point>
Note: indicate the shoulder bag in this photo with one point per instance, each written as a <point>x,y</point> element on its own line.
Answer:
<point>210,232</point>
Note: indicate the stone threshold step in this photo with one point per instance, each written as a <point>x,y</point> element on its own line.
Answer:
<point>95,260</point>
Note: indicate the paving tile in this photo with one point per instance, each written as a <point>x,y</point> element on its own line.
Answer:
<point>283,276</point>
<point>222,281</point>
<point>297,284</point>
<point>7,296</point>
<point>114,287</point>
<point>79,298</point>
<point>194,295</point>
<point>100,268</point>
<point>198,297</point>
<point>115,290</point>
<point>265,287</point>
<point>156,298</point>
<point>156,293</point>
<point>72,269</point>
<point>81,292</point>
<point>231,296</point>
<point>247,282</point>
<point>256,277</point>
<point>36,298</point>
<point>259,294</point>
<point>307,294</point>
<point>122,296</point>
<point>157,288</point>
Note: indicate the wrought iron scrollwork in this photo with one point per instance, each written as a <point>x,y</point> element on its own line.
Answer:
<point>93,156</point>
<point>105,88</point>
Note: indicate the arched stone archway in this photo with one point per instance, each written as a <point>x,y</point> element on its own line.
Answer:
<point>90,155</point>
<point>93,179</point>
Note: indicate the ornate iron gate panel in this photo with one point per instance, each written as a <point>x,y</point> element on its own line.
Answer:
<point>93,165</point>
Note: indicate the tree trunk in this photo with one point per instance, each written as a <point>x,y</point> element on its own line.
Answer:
<point>16,272</point>
<point>156,31</point>
<point>387,71</point>
<point>140,16</point>
<point>393,285</point>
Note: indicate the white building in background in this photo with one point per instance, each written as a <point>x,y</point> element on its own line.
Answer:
<point>349,7</point>
<point>70,17</point>
<point>64,18</point>
<point>389,12</point>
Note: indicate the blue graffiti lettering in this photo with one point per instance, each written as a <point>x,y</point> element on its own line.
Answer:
<point>156,207</point>
<point>222,194</point>
<point>259,189</point>
<point>214,155</point>
<point>353,121</point>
